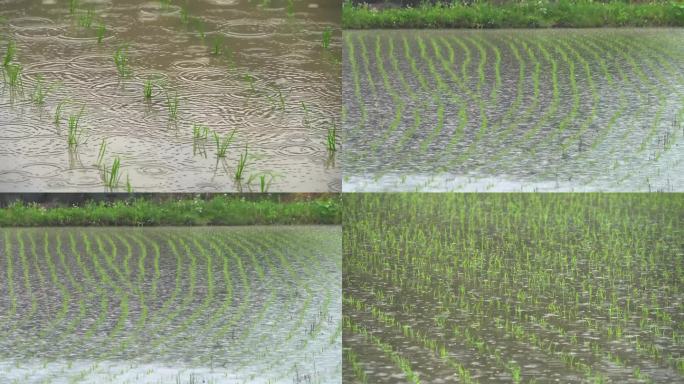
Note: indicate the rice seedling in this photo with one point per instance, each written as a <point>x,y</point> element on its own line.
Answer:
<point>289,8</point>
<point>112,175</point>
<point>10,53</point>
<point>58,111</point>
<point>250,80</point>
<point>331,138</point>
<point>76,132</point>
<point>40,91</point>
<point>172,105</point>
<point>222,143</point>
<point>148,87</point>
<point>242,163</point>
<point>129,186</point>
<point>217,45</point>
<point>73,6</point>
<point>327,37</point>
<point>13,72</point>
<point>101,32</point>
<point>121,61</point>
<point>101,152</point>
<point>184,16</point>
<point>200,132</point>
<point>85,19</point>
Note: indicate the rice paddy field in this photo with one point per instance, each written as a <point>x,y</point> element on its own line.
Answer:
<point>169,96</point>
<point>536,288</point>
<point>170,305</point>
<point>513,110</point>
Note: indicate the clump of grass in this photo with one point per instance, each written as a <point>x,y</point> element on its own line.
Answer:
<point>331,138</point>
<point>147,89</point>
<point>75,133</point>
<point>102,151</point>
<point>129,186</point>
<point>327,37</point>
<point>10,53</point>
<point>223,143</point>
<point>172,105</point>
<point>242,163</point>
<point>101,31</point>
<point>290,8</point>
<point>121,61</point>
<point>200,132</point>
<point>184,16</point>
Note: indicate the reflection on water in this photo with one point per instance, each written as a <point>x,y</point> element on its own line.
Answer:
<point>578,109</point>
<point>224,305</point>
<point>257,67</point>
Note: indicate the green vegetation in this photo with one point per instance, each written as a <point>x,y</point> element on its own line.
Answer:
<point>121,61</point>
<point>76,131</point>
<point>327,37</point>
<point>242,163</point>
<point>172,105</point>
<point>222,143</point>
<point>111,176</point>
<point>488,283</point>
<point>214,210</point>
<point>331,138</point>
<point>148,87</point>
<point>514,14</point>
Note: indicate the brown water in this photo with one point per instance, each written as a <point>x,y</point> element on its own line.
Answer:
<point>278,47</point>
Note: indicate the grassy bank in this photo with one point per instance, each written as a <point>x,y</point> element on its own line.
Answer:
<point>187,211</point>
<point>527,14</point>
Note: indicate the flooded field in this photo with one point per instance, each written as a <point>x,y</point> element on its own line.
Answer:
<point>170,305</point>
<point>514,110</point>
<point>512,288</point>
<point>169,95</point>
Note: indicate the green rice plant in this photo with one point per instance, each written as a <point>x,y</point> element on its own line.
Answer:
<point>112,175</point>
<point>327,37</point>
<point>250,80</point>
<point>85,20</point>
<point>76,132</point>
<point>331,138</point>
<point>200,132</point>
<point>172,105</point>
<point>289,8</point>
<point>40,92</point>
<point>184,16</point>
<point>101,152</point>
<point>223,143</point>
<point>147,89</point>
<point>129,186</point>
<point>242,163</point>
<point>281,99</point>
<point>58,111</point>
<point>13,72</point>
<point>73,5</point>
<point>216,46</point>
<point>101,31</point>
<point>121,61</point>
<point>10,53</point>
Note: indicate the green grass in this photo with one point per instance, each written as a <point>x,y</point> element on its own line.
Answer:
<point>222,143</point>
<point>13,72</point>
<point>85,20</point>
<point>160,210</point>
<point>40,92</point>
<point>200,132</point>
<point>58,111</point>
<point>525,14</point>
<point>101,152</point>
